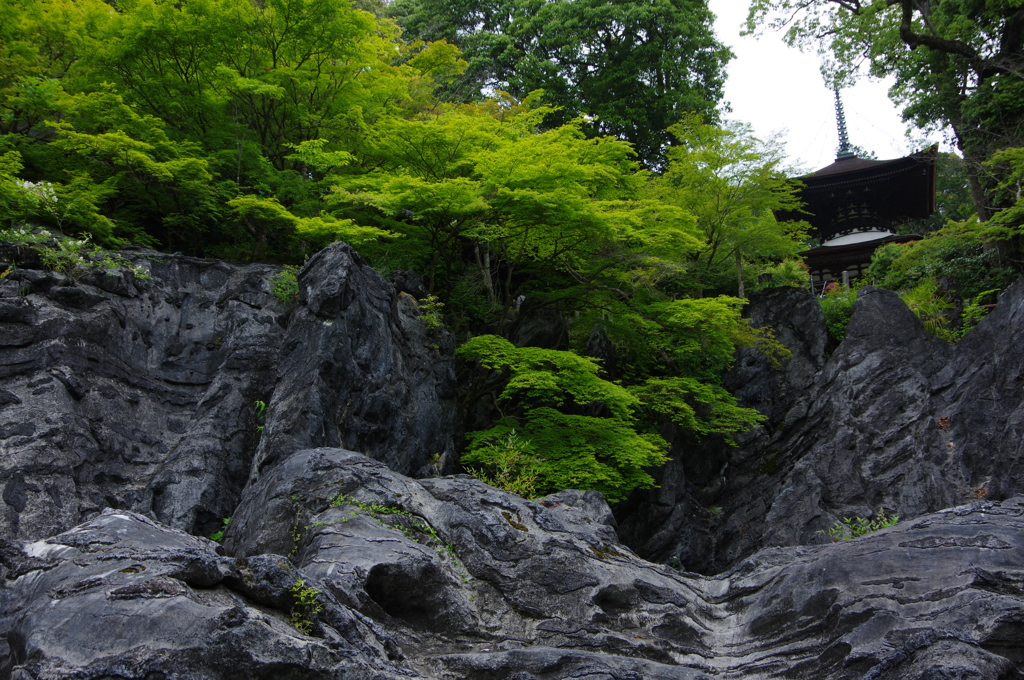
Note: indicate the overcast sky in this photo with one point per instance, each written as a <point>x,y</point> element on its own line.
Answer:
<point>776,88</point>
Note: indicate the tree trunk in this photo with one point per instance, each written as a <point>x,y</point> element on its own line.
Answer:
<point>739,275</point>
<point>484,264</point>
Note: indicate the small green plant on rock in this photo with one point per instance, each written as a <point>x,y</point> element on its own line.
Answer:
<point>430,311</point>
<point>855,527</point>
<point>307,606</point>
<point>285,284</point>
<point>260,407</point>
<point>974,312</point>
<point>404,521</point>
<point>219,534</point>
<point>508,463</point>
<point>926,301</point>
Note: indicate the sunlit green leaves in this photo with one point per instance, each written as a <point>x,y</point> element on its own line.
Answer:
<point>731,183</point>
<point>548,389</point>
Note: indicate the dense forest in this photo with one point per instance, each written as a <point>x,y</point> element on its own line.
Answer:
<point>567,155</point>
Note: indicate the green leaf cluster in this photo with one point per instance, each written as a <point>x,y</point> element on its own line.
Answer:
<point>837,306</point>
<point>551,391</point>
<point>855,527</point>
<point>567,427</point>
<point>307,606</point>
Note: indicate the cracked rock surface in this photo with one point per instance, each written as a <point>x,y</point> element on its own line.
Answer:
<point>141,394</point>
<point>448,578</point>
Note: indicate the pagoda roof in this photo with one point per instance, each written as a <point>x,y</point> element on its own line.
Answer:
<point>895,191</point>
<point>844,166</point>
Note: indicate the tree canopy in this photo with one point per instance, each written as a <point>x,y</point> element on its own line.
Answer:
<point>585,172</point>
<point>629,68</point>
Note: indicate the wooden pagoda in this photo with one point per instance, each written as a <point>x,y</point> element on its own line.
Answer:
<point>855,205</point>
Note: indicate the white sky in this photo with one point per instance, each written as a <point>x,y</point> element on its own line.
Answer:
<point>776,88</point>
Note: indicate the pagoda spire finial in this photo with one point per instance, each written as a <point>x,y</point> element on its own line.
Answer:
<point>845,149</point>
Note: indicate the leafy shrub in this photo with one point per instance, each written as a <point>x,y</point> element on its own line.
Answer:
<point>72,257</point>
<point>307,606</point>
<point>956,251</point>
<point>837,306</point>
<point>430,312</point>
<point>285,285</point>
<point>548,391</point>
<point>928,304</point>
<point>507,463</point>
<point>792,273</point>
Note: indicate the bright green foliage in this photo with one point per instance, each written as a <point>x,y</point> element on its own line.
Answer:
<point>837,305</point>
<point>731,183</point>
<point>430,311</point>
<point>72,257</point>
<point>285,285</point>
<point>1008,223</point>
<point>260,411</point>
<point>551,439</point>
<point>549,389</point>
<point>23,236</point>
<point>529,203</point>
<point>855,527</point>
<point>75,257</point>
<point>506,463</point>
<point>929,304</point>
<point>790,272</point>
<point>219,534</point>
<point>956,251</point>
<point>974,311</point>
<point>544,376</point>
<point>396,518</point>
<point>306,607</point>
<point>698,407</point>
<point>187,125</point>
<point>16,200</point>
<point>630,68</point>
<point>687,337</point>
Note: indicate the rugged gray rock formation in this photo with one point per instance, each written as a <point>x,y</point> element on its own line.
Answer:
<point>127,424</point>
<point>448,578</point>
<point>896,420</point>
<point>117,392</point>
<point>359,370</point>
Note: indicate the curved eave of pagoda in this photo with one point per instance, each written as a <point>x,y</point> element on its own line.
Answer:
<point>838,258</point>
<point>897,190</point>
